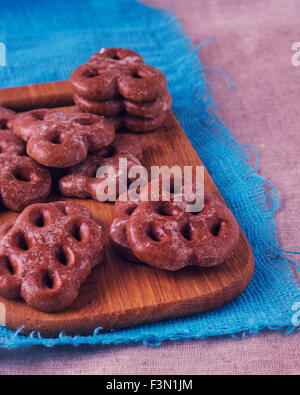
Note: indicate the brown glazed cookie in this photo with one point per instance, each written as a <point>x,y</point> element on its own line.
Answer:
<point>29,123</point>
<point>115,120</point>
<point>10,143</point>
<point>114,72</point>
<point>48,253</point>
<point>131,123</point>
<point>117,232</point>
<point>116,106</point>
<point>64,140</point>
<point>165,235</point>
<point>81,180</point>
<point>149,109</point>
<point>106,108</point>
<point>116,54</point>
<point>6,118</point>
<point>144,83</point>
<point>22,182</point>
<point>140,125</point>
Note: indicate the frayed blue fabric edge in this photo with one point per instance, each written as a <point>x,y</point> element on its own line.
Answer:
<point>119,337</point>
<point>35,339</point>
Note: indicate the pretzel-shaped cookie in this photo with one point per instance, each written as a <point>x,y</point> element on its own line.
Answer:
<point>10,143</point>
<point>165,235</point>
<point>116,71</point>
<point>48,253</point>
<point>27,124</point>
<point>63,140</point>
<point>130,122</point>
<point>81,180</point>
<point>116,54</point>
<point>117,233</point>
<point>116,106</point>
<point>22,182</point>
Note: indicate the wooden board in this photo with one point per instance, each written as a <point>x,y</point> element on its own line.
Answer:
<point>118,293</point>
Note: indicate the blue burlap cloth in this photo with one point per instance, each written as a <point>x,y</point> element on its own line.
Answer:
<point>46,40</point>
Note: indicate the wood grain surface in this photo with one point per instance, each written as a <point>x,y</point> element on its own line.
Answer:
<point>119,293</point>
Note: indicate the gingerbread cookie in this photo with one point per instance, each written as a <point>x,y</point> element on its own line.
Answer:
<point>164,234</point>
<point>117,233</point>
<point>63,140</point>
<point>22,182</point>
<point>10,143</point>
<point>138,125</point>
<point>29,123</point>
<point>116,106</point>
<point>48,253</point>
<point>118,72</point>
<point>107,108</point>
<point>81,180</point>
<point>149,109</point>
<point>115,55</point>
<point>131,123</point>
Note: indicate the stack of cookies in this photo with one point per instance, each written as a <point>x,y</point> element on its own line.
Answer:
<point>117,84</point>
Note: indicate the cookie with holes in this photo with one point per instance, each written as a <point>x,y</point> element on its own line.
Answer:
<point>116,56</point>
<point>48,253</point>
<point>140,125</point>
<point>9,142</point>
<point>131,123</point>
<point>116,106</point>
<point>6,118</point>
<point>164,234</point>
<point>124,207</point>
<point>117,72</point>
<point>117,232</point>
<point>22,181</point>
<point>30,122</point>
<point>85,181</point>
<point>63,140</point>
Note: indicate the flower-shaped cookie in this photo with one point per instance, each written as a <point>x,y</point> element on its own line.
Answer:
<point>81,180</point>
<point>164,234</point>
<point>62,140</point>
<point>117,72</point>
<point>22,180</point>
<point>48,253</point>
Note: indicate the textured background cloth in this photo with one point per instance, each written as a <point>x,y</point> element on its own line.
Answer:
<point>264,101</point>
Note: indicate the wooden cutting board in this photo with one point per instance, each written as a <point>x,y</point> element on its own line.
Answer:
<point>119,293</point>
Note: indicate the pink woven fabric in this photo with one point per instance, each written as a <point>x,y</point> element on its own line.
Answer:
<point>253,46</point>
